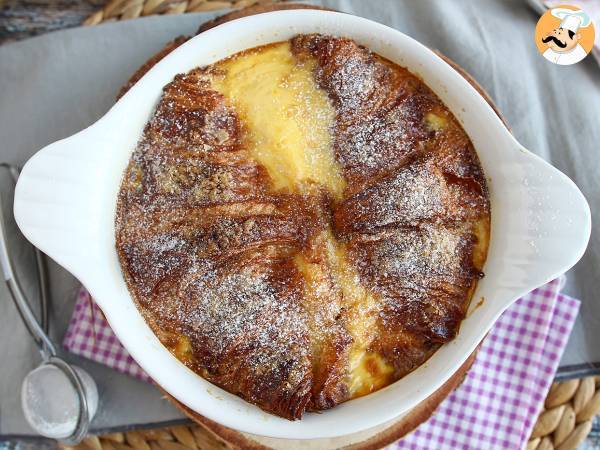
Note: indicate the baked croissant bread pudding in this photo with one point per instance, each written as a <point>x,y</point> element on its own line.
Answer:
<point>302,223</point>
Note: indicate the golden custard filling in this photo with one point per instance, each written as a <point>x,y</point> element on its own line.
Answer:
<point>302,223</point>
<point>288,121</point>
<point>287,117</point>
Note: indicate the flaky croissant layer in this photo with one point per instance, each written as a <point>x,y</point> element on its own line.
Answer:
<point>302,223</point>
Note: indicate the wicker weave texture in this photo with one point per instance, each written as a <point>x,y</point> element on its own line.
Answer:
<point>563,425</point>
<point>130,9</point>
<point>183,437</point>
<point>567,417</point>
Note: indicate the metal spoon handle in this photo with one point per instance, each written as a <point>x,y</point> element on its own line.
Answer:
<point>40,262</point>
<point>37,332</point>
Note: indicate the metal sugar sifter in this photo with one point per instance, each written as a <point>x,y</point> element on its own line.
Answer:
<point>59,400</point>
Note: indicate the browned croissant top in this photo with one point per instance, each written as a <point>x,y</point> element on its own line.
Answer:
<point>302,223</point>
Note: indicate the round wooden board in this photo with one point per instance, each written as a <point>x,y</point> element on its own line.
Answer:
<point>373,438</point>
<point>370,439</point>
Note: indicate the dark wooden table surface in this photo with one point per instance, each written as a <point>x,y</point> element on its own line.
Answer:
<point>20,19</point>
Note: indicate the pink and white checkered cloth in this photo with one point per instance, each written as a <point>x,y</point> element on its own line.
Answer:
<point>494,407</point>
<point>90,336</point>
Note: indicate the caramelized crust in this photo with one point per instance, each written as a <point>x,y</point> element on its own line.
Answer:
<point>285,297</point>
<point>207,251</point>
<point>380,108</point>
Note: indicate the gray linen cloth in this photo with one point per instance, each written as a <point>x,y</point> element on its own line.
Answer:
<point>55,85</point>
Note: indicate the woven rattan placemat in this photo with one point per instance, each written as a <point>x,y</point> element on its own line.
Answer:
<point>130,9</point>
<point>563,425</point>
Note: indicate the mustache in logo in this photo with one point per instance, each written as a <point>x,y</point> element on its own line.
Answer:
<point>556,41</point>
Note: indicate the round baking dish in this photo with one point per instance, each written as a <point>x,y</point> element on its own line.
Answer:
<point>66,197</point>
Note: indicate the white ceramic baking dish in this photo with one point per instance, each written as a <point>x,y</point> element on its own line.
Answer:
<point>66,196</point>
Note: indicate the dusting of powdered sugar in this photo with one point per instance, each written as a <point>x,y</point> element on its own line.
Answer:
<point>419,254</point>
<point>372,142</point>
<point>209,246</point>
<point>246,313</point>
<point>354,81</point>
<point>414,194</point>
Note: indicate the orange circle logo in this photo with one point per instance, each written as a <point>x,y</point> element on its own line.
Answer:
<point>564,35</point>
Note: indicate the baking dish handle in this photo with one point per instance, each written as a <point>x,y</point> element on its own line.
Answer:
<point>544,232</point>
<point>57,200</point>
